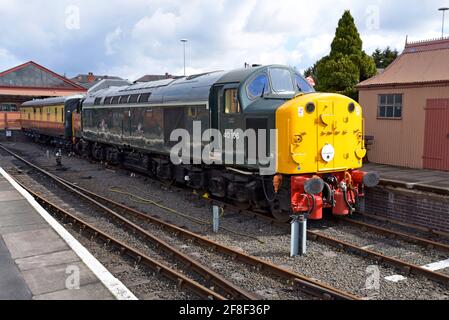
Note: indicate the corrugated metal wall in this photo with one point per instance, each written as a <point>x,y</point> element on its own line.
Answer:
<point>399,142</point>
<point>436,145</point>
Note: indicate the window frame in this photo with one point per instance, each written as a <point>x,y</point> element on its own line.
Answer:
<point>239,106</point>
<point>387,105</point>
<point>295,78</point>
<point>273,89</point>
<point>250,82</point>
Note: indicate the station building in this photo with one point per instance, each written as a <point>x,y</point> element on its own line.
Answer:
<point>407,108</point>
<point>27,82</point>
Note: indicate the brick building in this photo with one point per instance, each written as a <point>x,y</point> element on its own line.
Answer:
<point>27,82</point>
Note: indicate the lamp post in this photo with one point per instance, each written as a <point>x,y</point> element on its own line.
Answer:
<point>442,28</point>
<point>184,41</point>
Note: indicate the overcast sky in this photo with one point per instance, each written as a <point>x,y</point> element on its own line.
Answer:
<point>136,37</point>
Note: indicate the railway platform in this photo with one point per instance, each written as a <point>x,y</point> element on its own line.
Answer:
<point>40,260</point>
<point>410,196</point>
<point>423,180</point>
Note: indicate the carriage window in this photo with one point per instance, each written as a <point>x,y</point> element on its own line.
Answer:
<point>281,80</point>
<point>232,104</point>
<point>258,86</point>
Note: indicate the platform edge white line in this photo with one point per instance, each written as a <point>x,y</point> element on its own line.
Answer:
<point>114,285</point>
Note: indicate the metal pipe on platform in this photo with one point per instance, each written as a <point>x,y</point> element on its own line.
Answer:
<point>298,245</point>
<point>216,219</point>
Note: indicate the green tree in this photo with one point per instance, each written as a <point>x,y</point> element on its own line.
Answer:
<point>310,72</point>
<point>347,64</point>
<point>383,58</point>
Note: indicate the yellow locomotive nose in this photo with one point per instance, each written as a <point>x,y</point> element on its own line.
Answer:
<point>319,133</point>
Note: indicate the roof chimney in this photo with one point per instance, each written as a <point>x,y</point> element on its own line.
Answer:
<point>90,77</point>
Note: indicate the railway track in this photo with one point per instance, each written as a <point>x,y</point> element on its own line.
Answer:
<point>407,268</point>
<point>430,244</point>
<point>87,229</point>
<point>124,214</point>
<point>429,233</point>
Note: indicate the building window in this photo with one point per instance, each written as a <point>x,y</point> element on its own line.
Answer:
<point>390,106</point>
<point>231,102</point>
<point>8,107</point>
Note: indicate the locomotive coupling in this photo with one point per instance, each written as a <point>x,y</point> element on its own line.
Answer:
<point>368,179</point>
<point>306,196</point>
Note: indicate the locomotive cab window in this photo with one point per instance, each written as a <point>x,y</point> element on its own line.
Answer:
<point>258,87</point>
<point>302,85</point>
<point>281,80</point>
<point>232,104</point>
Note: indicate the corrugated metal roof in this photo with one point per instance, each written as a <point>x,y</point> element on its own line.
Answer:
<point>415,66</point>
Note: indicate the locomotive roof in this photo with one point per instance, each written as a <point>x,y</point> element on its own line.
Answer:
<point>51,101</point>
<point>190,89</point>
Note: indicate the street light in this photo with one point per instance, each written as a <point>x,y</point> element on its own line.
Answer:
<point>184,41</point>
<point>442,29</point>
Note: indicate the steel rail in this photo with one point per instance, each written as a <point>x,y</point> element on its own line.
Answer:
<point>181,280</point>
<point>429,231</point>
<point>396,234</point>
<point>304,283</point>
<point>231,289</point>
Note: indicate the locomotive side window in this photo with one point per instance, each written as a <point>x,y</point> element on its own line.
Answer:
<point>258,87</point>
<point>144,97</point>
<point>232,104</point>
<point>115,100</point>
<point>281,80</point>
<point>124,99</point>
<point>133,98</point>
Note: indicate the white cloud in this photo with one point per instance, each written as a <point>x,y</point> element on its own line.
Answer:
<point>139,37</point>
<point>7,60</point>
<point>112,40</point>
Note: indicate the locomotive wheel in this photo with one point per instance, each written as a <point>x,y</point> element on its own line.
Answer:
<point>242,205</point>
<point>282,216</point>
<point>278,213</point>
